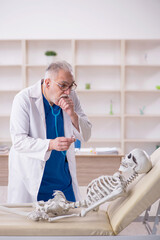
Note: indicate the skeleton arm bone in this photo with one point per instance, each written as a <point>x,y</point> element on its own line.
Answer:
<point>115,194</point>
<point>9,210</point>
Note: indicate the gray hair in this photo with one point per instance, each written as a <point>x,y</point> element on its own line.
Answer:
<point>54,68</point>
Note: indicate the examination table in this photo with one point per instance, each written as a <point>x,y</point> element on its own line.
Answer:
<point>142,193</point>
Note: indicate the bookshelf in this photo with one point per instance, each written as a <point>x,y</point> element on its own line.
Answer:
<point>122,72</point>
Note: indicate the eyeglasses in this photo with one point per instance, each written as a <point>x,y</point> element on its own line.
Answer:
<point>65,87</point>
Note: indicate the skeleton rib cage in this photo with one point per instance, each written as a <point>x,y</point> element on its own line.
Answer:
<point>102,187</point>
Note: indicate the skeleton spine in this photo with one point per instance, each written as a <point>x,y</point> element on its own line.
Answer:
<point>130,179</point>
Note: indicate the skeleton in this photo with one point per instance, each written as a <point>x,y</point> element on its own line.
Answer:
<point>99,191</point>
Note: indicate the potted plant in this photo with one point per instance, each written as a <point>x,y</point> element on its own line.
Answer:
<point>50,56</point>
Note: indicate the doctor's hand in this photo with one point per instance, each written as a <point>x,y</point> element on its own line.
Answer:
<point>67,105</point>
<point>60,143</point>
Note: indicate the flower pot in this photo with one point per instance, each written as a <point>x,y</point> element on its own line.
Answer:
<point>51,59</point>
<point>87,86</point>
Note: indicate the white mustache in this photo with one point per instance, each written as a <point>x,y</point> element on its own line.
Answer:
<point>56,100</point>
<point>62,96</point>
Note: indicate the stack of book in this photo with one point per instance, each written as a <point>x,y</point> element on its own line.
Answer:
<point>84,151</point>
<point>98,151</point>
<point>106,150</point>
<point>4,149</point>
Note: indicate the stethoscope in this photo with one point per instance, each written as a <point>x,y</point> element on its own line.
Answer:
<point>55,117</point>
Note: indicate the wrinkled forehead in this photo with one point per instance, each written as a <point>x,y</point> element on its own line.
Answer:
<point>64,77</point>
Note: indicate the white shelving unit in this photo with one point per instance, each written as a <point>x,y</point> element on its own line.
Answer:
<point>124,72</point>
<point>142,74</point>
<point>98,62</point>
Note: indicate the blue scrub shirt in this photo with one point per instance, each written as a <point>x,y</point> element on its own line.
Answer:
<point>56,174</point>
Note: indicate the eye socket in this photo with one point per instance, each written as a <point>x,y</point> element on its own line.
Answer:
<point>130,155</point>
<point>134,160</point>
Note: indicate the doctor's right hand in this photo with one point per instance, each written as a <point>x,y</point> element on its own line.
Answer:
<point>60,143</point>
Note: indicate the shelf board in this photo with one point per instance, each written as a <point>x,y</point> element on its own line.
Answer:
<point>103,115</point>
<point>4,155</point>
<point>36,65</point>
<point>94,140</point>
<point>97,91</point>
<point>5,115</point>
<point>142,65</point>
<point>94,155</point>
<point>12,90</point>
<point>142,91</point>
<point>141,140</point>
<point>11,65</point>
<point>142,116</point>
<point>97,65</point>
<point>6,140</point>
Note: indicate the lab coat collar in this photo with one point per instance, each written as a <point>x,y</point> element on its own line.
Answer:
<point>35,90</point>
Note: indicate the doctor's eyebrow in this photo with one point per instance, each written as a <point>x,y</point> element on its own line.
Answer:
<point>65,82</point>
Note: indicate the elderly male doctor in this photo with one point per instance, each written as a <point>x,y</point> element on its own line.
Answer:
<point>46,119</point>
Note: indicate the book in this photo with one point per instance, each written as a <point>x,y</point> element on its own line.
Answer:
<point>106,150</point>
<point>4,149</point>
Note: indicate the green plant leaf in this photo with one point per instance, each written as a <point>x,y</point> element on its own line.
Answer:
<point>50,53</point>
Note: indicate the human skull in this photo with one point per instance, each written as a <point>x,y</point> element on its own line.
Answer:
<point>137,160</point>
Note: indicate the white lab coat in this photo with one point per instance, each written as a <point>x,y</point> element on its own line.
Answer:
<point>29,151</point>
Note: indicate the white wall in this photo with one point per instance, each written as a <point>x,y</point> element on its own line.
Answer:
<point>108,19</point>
